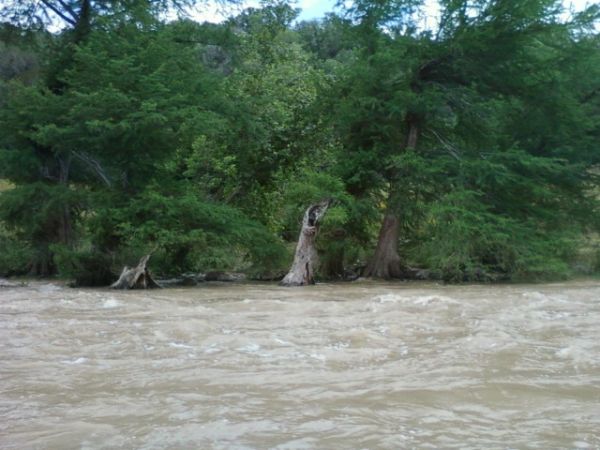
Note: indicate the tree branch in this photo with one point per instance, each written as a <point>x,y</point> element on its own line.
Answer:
<point>68,8</point>
<point>95,166</point>
<point>59,13</point>
<point>449,147</point>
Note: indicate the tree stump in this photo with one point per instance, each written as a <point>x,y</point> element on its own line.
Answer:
<point>137,278</point>
<point>305,259</point>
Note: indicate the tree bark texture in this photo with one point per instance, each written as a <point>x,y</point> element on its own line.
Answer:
<point>137,278</point>
<point>386,262</point>
<point>303,268</point>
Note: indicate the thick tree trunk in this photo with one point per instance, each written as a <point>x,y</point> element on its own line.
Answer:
<point>385,262</point>
<point>137,278</point>
<point>305,258</point>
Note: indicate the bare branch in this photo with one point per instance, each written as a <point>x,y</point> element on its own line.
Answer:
<point>59,13</point>
<point>68,9</point>
<point>95,166</point>
<point>449,147</point>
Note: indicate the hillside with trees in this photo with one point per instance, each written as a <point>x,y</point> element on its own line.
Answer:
<point>465,152</point>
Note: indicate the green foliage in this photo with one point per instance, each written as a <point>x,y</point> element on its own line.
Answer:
<point>35,215</point>
<point>272,123</point>
<point>15,255</point>
<point>85,265</point>
<point>327,38</point>
<point>205,144</point>
<point>462,124</point>
<point>306,188</point>
<point>464,241</point>
<point>586,260</point>
<point>186,232</point>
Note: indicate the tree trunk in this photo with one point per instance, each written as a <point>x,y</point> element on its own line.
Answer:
<point>65,220</point>
<point>42,263</point>
<point>83,24</point>
<point>137,278</point>
<point>305,258</point>
<point>386,262</point>
<point>413,133</point>
<point>65,232</point>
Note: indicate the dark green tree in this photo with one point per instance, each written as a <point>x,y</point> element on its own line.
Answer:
<point>131,95</point>
<point>417,103</point>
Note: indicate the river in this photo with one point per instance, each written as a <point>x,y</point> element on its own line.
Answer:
<point>333,366</point>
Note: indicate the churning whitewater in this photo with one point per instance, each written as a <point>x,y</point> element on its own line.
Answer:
<point>337,366</point>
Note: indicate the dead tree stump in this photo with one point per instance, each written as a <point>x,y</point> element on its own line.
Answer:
<point>136,278</point>
<point>306,258</point>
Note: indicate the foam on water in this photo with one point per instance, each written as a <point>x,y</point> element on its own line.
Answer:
<point>212,349</point>
<point>318,356</point>
<point>111,303</point>
<point>389,298</point>
<point>249,348</point>
<point>48,288</point>
<point>180,345</point>
<point>421,300</point>
<point>282,342</point>
<point>75,361</point>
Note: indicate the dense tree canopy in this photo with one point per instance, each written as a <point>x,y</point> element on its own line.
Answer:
<point>469,150</point>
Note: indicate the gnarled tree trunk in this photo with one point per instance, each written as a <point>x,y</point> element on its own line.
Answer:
<point>305,258</point>
<point>137,278</point>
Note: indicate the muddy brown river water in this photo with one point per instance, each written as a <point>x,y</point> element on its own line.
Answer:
<point>333,366</point>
